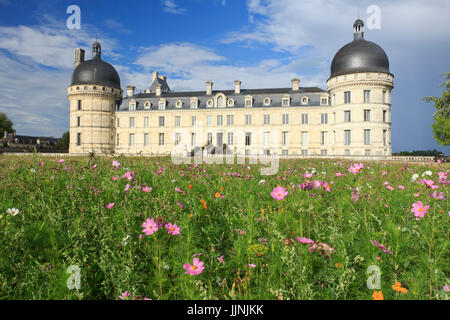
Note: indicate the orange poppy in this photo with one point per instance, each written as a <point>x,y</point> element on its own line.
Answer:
<point>377,295</point>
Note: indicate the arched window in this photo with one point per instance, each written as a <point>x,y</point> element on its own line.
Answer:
<point>220,102</point>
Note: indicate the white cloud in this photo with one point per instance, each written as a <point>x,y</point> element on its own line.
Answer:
<point>171,7</point>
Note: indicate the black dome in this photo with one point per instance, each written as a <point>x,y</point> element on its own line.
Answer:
<point>359,56</point>
<point>96,71</point>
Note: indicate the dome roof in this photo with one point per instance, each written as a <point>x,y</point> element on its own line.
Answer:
<point>96,71</point>
<point>359,56</point>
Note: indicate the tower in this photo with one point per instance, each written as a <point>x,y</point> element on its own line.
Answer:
<point>93,94</point>
<point>360,87</point>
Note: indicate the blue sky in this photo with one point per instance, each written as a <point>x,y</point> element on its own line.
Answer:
<point>263,43</point>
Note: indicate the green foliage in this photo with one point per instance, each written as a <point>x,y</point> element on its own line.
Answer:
<point>5,124</point>
<point>63,143</point>
<point>423,153</point>
<point>441,125</point>
<point>63,221</point>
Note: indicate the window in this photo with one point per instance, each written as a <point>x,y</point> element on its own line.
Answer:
<point>194,104</point>
<point>304,138</point>
<point>324,118</point>
<point>131,141</point>
<point>347,152</point>
<point>285,138</point>
<point>366,95</point>
<point>266,101</point>
<point>285,118</point>
<point>384,137</point>
<point>209,138</point>
<point>384,115</point>
<point>285,102</point>
<point>324,101</point>
<point>323,152</point>
<point>118,122</point>
<point>384,96</point>
<point>161,139</point>
<point>177,121</point>
<point>366,115</point>
<point>347,97</point>
<point>177,138</point>
<point>132,106</point>
<point>267,119</point>
<point>193,139</point>
<point>147,105</point>
<point>230,120</point>
<point>367,152</point>
<point>230,102</point>
<point>248,102</point>
<point>117,140</point>
<point>347,138</point>
<point>284,152</point>
<point>230,138</point>
<point>366,136</point>
<point>304,152</point>
<point>194,120</point>
<point>248,119</point>
<point>146,139</point>
<point>145,122</point>
<point>79,105</point>
<point>219,120</point>
<point>347,116</point>
<point>220,102</point>
<point>78,139</point>
<point>266,138</point>
<point>305,100</point>
<point>161,121</point>
<point>210,103</point>
<point>78,121</point>
<point>248,138</point>
<point>304,118</point>
<point>162,105</point>
<point>333,99</point>
<point>131,122</point>
<point>209,120</point>
<point>323,138</point>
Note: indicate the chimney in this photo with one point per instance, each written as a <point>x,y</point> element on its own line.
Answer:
<point>79,57</point>
<point>163,78</point>
<point>237,86</point>
<point>155,75</point>
<point>130,91</point>
<point>209,85</point>
<point>158,90</point>
<point>295,84</point>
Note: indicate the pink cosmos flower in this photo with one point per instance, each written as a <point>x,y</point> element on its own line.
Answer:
<point>307,175</point>
<point>419,210</point>
<point>41,164</point>
<point>172,229</point>
<point>115,164</point>
<point>94,166</point>
<point>389,188</point>
<point>195,269</point>
<point>220,259</point>
<point>435,195</point>
<point>110,205</point>
<point>146,189</point>
<point>416,194</point>
<point>125,295</point>
<point>128,175</point>
<point>356,168</point>
<point>178,190</point>
<point>61,161</point>
<point>379,245</point>
<point>338,174</point>
<point>114,178</point>
<point>429,183</point>
<point>304,240</point>
<point>251,265</point>
<point>401,187</point>
<point>150,227</point>
<point>180,204</point>
<point>279,193</point>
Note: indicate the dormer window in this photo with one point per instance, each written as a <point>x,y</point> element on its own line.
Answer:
<point>286,101</point>
<point>324,101</point>
<point>132,105</point>
<point>230,102</point>
<point>179,104</point>
<point>194,103</point>
<point>305,100</point>
<point>267,101</point>
<point>147,105</point>
<point>210,103</point>
<point>162,104</point>
<point>248,101</point>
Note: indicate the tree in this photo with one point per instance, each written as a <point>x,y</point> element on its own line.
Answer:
<point>5,124</point>
<point>63,142</point>
<point>441,125</point>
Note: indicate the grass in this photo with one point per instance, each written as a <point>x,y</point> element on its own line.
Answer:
<point>63,221</point>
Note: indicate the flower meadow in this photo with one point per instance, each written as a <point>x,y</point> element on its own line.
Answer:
<point>145,228</point>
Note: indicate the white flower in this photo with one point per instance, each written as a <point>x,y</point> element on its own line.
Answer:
<point>261,182</point>
<point>12,211</point>
<point>427,173</point>
<point>414,177</point>
<point>124,240</point>
<point>33,170</point>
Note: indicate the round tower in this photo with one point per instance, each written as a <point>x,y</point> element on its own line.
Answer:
<point>360,87</point>
<point>93,94</point>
